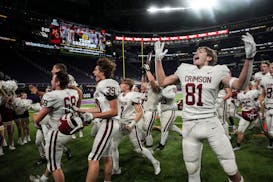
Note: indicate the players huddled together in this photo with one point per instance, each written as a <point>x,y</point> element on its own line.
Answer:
<point>211,100</point>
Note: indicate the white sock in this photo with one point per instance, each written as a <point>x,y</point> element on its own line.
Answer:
<point>147,153</point>
<point>44,178</point>
<point>164,137</point>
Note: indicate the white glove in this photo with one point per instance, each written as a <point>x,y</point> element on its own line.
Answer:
<point>146,67</point>
<point>159,54</point>
<point>250,45</point>
<point>87,117</point>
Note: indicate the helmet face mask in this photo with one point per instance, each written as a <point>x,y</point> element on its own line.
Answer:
<point>70,123</point>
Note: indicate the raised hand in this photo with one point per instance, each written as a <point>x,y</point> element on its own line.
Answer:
<point>159,54</point>
<point>250,45</point>
<point>146,67</point>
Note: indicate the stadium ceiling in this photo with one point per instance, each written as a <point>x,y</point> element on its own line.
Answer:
<point>132,15</point>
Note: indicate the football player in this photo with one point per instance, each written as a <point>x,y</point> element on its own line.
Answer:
<point>267,99</point>
<point>72,85</point>
<point>250,112</point>
<point>167,108</point>
<point>200,85</point>
<point>107,91</point>
<point>150,100</point>
<point>264,71</point>
<point>52,104</point>
<point>130,112</point>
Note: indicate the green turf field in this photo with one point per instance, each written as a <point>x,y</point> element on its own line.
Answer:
<point>254,161</point>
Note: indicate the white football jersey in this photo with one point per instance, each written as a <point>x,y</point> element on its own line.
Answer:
<point>248,99</point>
<point>258,76</point>
<point>150,100</point>
<point>126,105</point>
<point>57,100</point>
<point>106,91</point>
<point>200,88</point>
<point>267,84</point>
<point>168,98</point>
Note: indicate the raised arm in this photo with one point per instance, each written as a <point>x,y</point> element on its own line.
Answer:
<point>163,80</point>
<point>246,72</point>
<point>151,78</point>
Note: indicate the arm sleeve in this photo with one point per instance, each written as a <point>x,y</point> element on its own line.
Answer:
<point>49,100</point>
<point>110,92</point>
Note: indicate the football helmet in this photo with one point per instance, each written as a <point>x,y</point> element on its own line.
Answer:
<point>70,124</point>
<point>250,115</point>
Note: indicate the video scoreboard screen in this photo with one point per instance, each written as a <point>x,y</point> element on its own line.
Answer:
<point>71,37</point>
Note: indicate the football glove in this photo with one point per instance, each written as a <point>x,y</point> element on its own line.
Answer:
<point>250,46</point>
<point>146,67</point>
<point>159,54</point>
<point>87,117</point>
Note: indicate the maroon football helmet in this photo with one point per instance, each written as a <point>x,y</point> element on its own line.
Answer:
<point>70,124</point>
<point>250,115</point>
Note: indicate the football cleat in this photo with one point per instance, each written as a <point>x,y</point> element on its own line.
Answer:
<point>116,171</point>
<point>157,167</point>
<point>236,148</point>
<point>160,147</point>
<point>34,178</point>
<point>269,146</point>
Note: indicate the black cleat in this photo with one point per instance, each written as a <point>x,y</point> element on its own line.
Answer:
<point>160,147</point>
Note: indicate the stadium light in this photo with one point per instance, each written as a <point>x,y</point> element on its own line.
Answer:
<point>165,9</point>
<point>191,5</point>
<point>201,4</point>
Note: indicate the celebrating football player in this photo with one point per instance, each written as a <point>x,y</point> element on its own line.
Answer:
<point>53,103</point>
<point>250,112</point>
<point>130,112</point>
<point>200,85</point>
<point>267,98</point>
<point>107,91</point>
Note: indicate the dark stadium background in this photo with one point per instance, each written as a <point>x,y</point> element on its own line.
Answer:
<point>22,21</point>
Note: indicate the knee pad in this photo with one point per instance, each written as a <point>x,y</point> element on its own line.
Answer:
<point>192,167</point>
<point>192,151</point>
<point>229,166</point>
